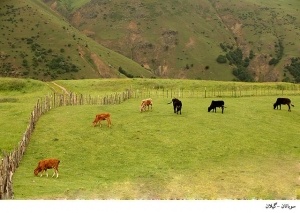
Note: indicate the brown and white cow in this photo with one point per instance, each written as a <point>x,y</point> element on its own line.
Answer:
<point>43,165</point>
<point>102,117</point>
<point>146,103</point>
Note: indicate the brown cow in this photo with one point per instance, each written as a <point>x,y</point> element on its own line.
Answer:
<point>100,117</point>
<point>45,164</point>
<point>146,103</point>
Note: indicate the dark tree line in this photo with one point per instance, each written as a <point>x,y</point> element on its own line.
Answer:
<point>279,53</point>
<point>128,75</point>
<point>235,57</point>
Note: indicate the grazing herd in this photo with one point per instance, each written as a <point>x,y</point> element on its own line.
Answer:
<point>146,104</point>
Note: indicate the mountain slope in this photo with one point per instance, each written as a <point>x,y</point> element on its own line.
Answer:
<point>251,40</point>
<point>37,42</point>
<point>181,39</point>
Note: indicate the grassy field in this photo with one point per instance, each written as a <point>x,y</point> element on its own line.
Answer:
<point>17,99</point>
<point>249,152</point>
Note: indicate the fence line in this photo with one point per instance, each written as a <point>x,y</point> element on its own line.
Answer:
<point>10,161</point>
<point>216,92</point>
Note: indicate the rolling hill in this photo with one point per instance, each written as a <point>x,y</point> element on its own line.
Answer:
<point>195,39</point>
<point>38,43</point>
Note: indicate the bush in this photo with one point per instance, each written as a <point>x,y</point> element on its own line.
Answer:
<point>121,70</point>
<point>294,69</point>
<point>221,59</point>
<point>242,74</point>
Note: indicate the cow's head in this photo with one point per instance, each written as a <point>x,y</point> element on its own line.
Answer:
<point>36,171</point>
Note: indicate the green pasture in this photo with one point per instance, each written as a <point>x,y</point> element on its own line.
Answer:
<point>249,152</point>
<point>17,100</point>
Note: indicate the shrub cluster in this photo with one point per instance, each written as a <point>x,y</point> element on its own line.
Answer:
<point>121,70</point>
<point>235,57</point>
<point>279,53</point>
<point>294,69</point>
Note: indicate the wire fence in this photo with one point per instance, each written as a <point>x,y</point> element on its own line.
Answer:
<point>216,92</point>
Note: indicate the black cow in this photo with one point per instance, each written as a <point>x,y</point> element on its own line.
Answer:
<point>214,104</point>
<point>177,104</point>
<point>284,101</point>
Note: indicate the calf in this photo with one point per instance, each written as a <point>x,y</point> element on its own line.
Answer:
<point>284,101</point>
<point>45,164</point>
<point>146,103</point>
<point>214,104</point>
<point>177,105</point>
<point>100,117</point>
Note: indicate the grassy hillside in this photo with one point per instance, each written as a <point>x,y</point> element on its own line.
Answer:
<point>38,43</point>
<point>207,39</point>
<point>181,39</point>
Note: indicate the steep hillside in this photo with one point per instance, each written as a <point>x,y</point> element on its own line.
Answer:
<point>183,39</point>
<point>251,40</point>
<point>36,42</point>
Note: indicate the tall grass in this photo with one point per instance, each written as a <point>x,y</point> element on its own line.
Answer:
<point>249,152</point>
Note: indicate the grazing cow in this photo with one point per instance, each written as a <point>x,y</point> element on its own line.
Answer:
<point>146,103</point>
<point>284,101</point>
<point>100,117</point>
<point>177,105</point>
<point>45,164</point>
<point>214,104</point>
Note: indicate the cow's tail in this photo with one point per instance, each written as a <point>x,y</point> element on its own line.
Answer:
<point>292,105</point>
<point>170,102</point>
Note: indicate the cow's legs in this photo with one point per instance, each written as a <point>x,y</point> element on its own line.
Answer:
<point>108,122</point>
<point>222,109</point>
<point>44,171</point>
<point>289,107</point>
<point>55,172</point>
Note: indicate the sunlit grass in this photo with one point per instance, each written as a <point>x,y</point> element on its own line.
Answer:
<point>249,152</point>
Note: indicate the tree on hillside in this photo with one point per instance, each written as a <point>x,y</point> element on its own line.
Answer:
<point>237,59</point>
<point>221,59</point>
<point>294,69</point>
